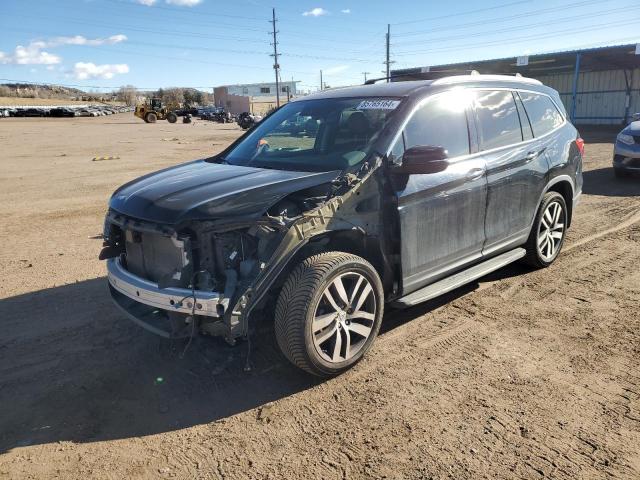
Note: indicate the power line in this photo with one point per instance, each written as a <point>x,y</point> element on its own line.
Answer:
<point>517,39</point>
<point>181,10</point>
<point>468,12</point>
<point>572,18</point>
<point>503,19</point>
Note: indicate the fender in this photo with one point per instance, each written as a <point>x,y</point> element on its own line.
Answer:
<point>551,183</point>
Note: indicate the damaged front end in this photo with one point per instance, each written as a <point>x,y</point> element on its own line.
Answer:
<point>208,275</point>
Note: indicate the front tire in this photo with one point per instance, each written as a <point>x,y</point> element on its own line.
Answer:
<point>172,118</point>
<point>548,232</point>
<point>329,312</point>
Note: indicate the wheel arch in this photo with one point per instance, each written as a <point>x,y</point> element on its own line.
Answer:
<point>563,184</point>
<point>352,241</point>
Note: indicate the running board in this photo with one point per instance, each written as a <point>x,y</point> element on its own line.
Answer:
<point>461,278</point>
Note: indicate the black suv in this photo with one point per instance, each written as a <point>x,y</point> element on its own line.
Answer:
<point>341,202</point>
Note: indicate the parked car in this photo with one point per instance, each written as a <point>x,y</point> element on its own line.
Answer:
<point>247,120</point>
<point>626,151</point>
<point>62,112</point>
<point>405,191</point>
<point>30,112</point>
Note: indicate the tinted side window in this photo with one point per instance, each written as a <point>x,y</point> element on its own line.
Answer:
<point>441,122</point>
<point>498,119</point>
<point>543,114</point>
<point>527,133</point>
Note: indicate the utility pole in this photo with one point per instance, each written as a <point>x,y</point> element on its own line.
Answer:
<point>365,76</point>
<point>388,62</point>
<point>276,66</point>
<point>321,84</point>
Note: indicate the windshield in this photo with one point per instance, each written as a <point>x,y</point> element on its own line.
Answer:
<point>315,135</point>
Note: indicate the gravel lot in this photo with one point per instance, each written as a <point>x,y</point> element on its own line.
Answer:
<point>524,374</point>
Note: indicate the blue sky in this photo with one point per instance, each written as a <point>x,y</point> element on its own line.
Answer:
<point>204,43</point>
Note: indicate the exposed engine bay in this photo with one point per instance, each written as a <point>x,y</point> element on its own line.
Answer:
<point>232,260</point>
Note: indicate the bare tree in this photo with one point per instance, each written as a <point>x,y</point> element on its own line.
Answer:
<point>173,96</point>
<point>127,94</point>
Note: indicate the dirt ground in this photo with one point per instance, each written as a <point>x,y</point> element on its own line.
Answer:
<point>524,374</point>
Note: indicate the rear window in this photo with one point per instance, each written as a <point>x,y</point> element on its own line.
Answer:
<point>542,112</point>
<point>498,119</point>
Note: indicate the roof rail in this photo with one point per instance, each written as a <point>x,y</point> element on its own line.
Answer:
<point>489,77</point>
<point>432,75</point>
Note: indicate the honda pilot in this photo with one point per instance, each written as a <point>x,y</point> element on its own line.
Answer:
<point>342,202</point>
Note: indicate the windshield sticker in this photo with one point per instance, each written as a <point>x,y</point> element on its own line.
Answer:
<point>378,105</point>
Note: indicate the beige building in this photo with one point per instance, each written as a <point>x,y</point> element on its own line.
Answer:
<point>259,105</point>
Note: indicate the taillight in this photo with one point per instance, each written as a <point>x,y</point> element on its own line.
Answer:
<point>580,145</point>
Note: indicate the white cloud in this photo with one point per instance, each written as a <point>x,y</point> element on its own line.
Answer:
<point>84,71</point>
<point>335,70</point>
<point>184,3</point>
<point>148,3</point>
<point>51,68</point>
<point>346,10</point>
<point>316,12</point>
<point>80,40</point>
<point>34,54</point>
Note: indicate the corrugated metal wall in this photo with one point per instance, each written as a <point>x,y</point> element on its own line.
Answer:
<point>601,98</point>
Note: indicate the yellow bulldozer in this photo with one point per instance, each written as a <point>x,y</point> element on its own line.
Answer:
<point>154,110</point>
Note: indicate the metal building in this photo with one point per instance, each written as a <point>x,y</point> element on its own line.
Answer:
<point>597,85</point>
<point>265,89</point>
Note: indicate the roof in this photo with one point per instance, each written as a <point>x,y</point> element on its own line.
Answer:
<point>408,87</point>
<point>611,57</point>
<point>393,89</point>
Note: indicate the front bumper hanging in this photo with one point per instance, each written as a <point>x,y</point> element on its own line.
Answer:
<point>171,299</point>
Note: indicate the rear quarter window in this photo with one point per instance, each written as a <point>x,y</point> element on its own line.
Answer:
<point>542,112</point>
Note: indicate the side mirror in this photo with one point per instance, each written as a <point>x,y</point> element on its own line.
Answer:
<point>423,160</point>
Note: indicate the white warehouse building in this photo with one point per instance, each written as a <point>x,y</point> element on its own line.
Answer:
<point>267,89</point>
<point>597,86</point>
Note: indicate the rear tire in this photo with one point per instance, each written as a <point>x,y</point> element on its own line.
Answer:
<point>329,312</point>
<point>548,231</point>
<point>172,118</point>
<point>150,117</point>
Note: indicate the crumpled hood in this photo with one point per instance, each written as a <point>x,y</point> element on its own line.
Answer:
<point>204,190</point>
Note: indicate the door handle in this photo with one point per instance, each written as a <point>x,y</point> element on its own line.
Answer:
<point>533,155</point>
<point>475,173</point>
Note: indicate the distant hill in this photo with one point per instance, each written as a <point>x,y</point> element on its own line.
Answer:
<point>27,90</point>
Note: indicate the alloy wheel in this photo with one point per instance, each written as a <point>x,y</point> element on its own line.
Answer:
<point>344,317</point>
<point>551,231</point>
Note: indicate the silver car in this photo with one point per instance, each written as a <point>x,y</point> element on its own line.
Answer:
<point>626,153</point>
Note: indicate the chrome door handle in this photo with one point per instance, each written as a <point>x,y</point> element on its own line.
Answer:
<point>475,173</point>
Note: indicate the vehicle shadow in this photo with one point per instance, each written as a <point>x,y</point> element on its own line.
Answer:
<point>603,182</point>
<point>73,369</point>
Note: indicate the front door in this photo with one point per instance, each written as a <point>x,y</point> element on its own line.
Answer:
<point>442,214</point>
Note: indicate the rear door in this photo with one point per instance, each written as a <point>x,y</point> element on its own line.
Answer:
<point>516,167</point>
<point>441,214</point>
